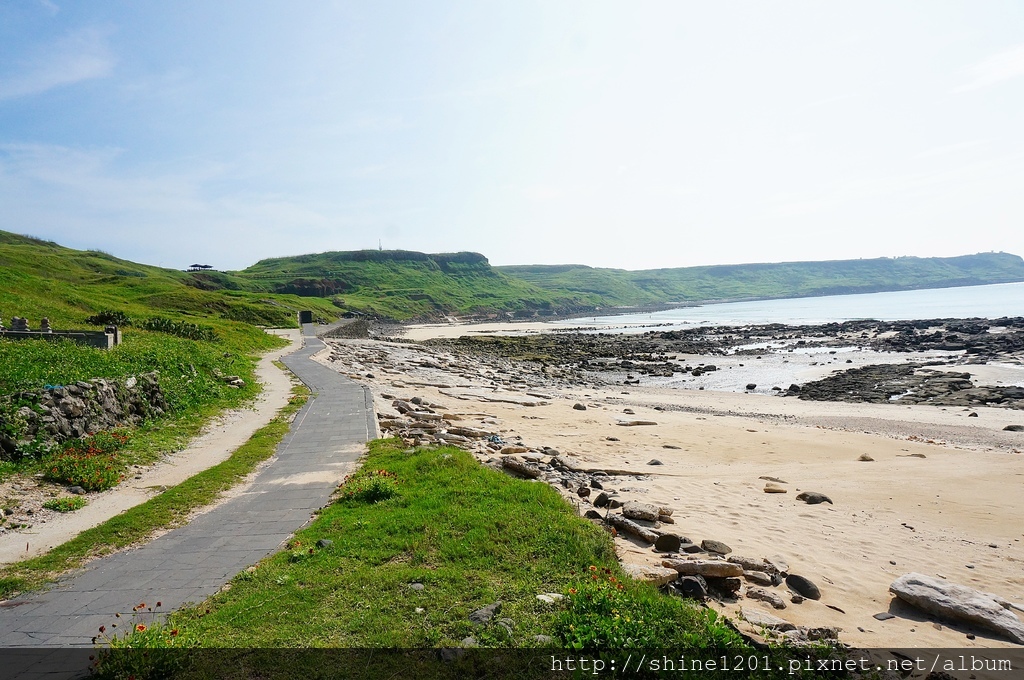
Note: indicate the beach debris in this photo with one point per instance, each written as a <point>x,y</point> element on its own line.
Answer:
<point>705,568</point>
<point>714,546</point>
<point>813,498</point>
<point>803,586</point>
<point>960,603</point>
<point>772,487</point>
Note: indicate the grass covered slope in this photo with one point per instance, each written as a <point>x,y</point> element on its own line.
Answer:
<point>779,280</point>
<point>402,284</point>
<point>40,278</point>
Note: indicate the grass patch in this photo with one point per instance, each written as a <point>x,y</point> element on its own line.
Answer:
<point>66,504</point>
<point>168,510</point>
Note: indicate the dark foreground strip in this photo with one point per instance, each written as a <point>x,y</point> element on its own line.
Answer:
<point>407,664</point>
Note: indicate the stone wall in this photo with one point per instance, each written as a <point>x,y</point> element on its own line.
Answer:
<point>69,411</point>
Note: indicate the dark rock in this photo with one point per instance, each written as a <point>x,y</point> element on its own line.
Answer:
<point>579,407</point>
<point>813,498</point>
<point>601,500</point>
<point>692,586</point>
<point>654,461</point>
<point>690,548</point>
<point>715,546</point>
<point>751,386</point>
<point>324,543</point>
<point>77,490</point>
<point>583,492</point>
<point>803,586</point>
<point>593,514</point>
<point>1014,428</point>
<point>884,616</point>
<point>594,484</point>
<point>668,543</point>
<point>972,415</point>
<point>484,615</point>
<point>727,585</point>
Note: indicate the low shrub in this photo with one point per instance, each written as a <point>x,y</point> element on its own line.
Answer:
<point>109,317</point>
<point>370,487</point>
<point>92,463</point>
<point>181,329</point>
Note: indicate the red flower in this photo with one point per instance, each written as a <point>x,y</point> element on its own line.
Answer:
<point>140,627</point>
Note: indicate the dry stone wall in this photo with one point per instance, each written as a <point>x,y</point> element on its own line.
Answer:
<point>65,412</point>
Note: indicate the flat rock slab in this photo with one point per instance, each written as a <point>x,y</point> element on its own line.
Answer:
<point>650,573</point>
<point>714,568</point>
<point>762,619</point>
<point>959,603</point>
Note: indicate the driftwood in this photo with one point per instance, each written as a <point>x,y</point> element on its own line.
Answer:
<point>634,423</point>
<point>517,464</point>
<point>632,528</point>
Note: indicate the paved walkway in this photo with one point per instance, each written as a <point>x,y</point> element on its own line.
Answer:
<point>192,562</point>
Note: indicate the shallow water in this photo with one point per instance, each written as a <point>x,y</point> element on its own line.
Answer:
<point>992,302</point>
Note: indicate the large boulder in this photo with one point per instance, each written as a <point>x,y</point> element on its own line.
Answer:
<point>959,603</point>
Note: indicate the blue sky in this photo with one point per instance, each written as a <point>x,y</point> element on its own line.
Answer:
<point>633,135</point>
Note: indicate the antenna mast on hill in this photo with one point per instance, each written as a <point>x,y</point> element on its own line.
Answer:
<point>379,246</point>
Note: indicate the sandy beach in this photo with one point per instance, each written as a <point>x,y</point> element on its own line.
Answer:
<point>940,494</point>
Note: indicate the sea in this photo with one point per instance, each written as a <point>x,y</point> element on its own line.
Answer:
<point>989,302</point>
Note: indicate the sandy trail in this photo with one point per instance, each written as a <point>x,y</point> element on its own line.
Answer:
<point>218,440</point>
<point>941,497</point>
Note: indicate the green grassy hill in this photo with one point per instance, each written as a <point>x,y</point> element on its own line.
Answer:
<point>402,284</point>
<point>788,279</point>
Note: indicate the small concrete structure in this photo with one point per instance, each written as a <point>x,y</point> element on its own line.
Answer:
<point>108,338</point>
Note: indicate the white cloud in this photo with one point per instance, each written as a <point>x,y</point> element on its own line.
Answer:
<point>997,68</point>
<point>81,55</point>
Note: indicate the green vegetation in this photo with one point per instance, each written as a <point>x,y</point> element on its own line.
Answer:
<point>168,510</point>
<point>603,287</point>
<point>471,536</point>
<point>66,504</point>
